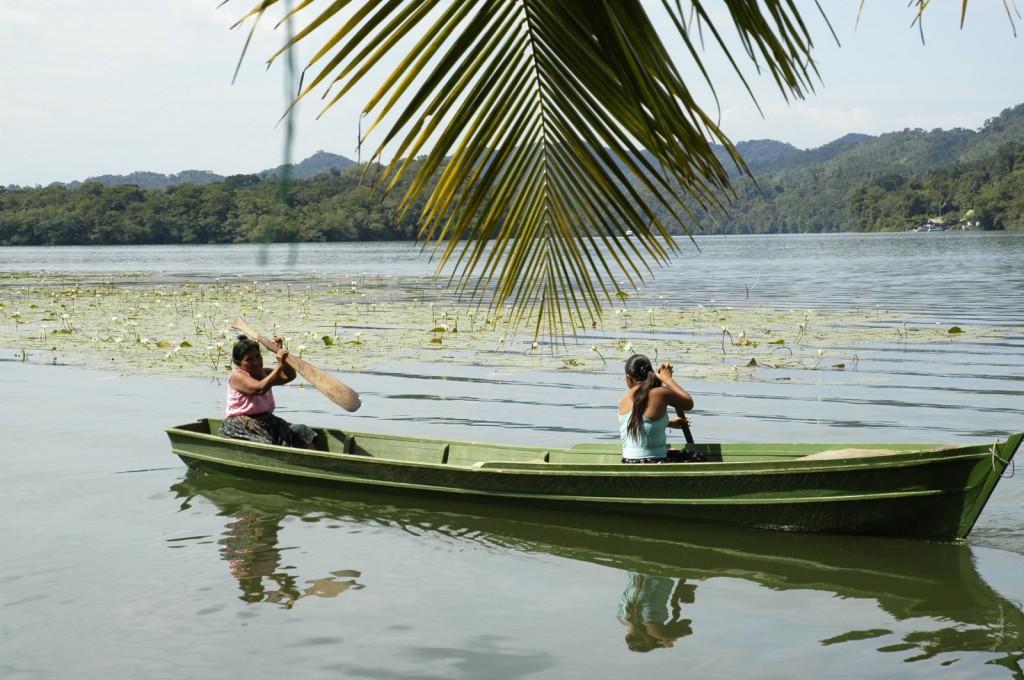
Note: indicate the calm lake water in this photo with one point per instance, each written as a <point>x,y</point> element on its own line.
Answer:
<point>118,563</point>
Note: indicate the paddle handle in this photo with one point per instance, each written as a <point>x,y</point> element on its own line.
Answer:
<point>686,431</point>
<point>332,388</point>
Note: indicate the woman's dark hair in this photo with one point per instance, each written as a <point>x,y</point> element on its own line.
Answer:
<point>639,368</point>
<point>243,346</point>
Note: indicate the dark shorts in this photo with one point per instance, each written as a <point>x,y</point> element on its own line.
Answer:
<point>672,457</point>
<point>266,428</point>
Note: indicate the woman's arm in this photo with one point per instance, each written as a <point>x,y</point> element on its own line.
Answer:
<point>246,384</point>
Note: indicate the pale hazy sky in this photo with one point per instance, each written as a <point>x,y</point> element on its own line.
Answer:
<point>115,86</point>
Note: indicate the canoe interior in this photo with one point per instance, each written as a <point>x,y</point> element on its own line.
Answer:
<point>406,449</point>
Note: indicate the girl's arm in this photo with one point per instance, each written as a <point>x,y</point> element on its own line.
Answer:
<point>675,396</point>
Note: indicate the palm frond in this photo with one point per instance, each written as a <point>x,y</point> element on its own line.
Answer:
<point>539,120</point>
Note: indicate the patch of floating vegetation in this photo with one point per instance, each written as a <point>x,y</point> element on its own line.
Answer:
<point>171,326</point>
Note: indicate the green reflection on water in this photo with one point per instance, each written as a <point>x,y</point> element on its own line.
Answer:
<point>931,594</point>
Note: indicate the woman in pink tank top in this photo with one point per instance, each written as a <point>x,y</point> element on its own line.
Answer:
<point>250,399</point>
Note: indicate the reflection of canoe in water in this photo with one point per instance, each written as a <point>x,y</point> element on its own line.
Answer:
<point>877,489</point>
<point>909,579</point>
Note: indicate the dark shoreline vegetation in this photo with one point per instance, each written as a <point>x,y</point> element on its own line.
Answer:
<point>138,322</point>
<point>959,179</point>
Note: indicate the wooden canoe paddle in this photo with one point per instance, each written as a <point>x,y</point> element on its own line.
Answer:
<point>335,390</point>
<point>686,431</point>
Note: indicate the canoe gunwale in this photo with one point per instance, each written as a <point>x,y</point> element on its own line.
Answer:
<point>926,455</point>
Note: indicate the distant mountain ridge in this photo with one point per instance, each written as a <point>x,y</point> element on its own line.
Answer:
<point>321,161</point>
<point>910,151</point>
<point>834,187</point>
<point>953,179</point>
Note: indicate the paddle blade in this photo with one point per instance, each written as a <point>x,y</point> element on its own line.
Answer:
<point>332,388</point>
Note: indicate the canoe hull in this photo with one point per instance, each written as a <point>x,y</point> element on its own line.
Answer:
<point>935,494</point>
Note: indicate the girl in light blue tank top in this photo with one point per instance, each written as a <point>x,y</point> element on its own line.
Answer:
<point>650,442</point>
<point>643,414</point>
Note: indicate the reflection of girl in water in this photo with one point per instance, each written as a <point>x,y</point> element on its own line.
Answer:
<point>644,610</point>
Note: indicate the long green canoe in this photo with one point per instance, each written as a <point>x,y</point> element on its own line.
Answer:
<point>906,490</point>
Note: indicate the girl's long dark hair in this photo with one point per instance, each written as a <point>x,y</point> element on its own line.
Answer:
<point>639,368</point>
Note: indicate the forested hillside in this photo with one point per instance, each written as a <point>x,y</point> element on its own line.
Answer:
<point>893,182</point>
<point>332,206</point>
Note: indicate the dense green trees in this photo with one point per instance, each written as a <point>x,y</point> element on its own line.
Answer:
<point>986,194</point>
<point>892,182</point>
<point>332,206</point>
